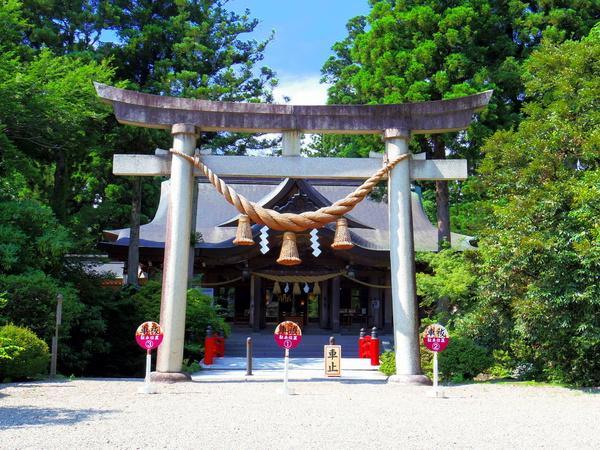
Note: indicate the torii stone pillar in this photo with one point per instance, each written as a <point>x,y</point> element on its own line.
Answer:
<point>402,260</point>
<point>177,251</point>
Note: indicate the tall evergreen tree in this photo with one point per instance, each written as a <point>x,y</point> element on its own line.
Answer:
<point>419,50</point>
<point>540,254</point>
<point>180,48</point>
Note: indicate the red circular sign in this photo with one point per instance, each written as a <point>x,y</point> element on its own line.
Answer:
<point>288,335</point>
<point>436,338</point>
<point>149,335</point>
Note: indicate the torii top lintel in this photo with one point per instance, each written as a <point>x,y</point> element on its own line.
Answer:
<point>155,111</point>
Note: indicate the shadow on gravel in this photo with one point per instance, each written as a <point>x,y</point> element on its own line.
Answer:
<point>593,390</point>
<point>517,383</point>
<point>24,416</point>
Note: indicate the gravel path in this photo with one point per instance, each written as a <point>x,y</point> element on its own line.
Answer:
<point>110,414</point>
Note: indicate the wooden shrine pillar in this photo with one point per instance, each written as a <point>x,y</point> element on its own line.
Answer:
<point>335,304</point>
<point>260,296</point>
<point>375,303</point>
<point>387,305</point>
<point>324,305</point>
<point>255,302</point>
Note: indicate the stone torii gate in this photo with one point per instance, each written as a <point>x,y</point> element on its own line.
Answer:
<point>185,118</point>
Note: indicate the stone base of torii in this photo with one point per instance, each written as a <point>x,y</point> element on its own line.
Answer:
<point>185,118</point>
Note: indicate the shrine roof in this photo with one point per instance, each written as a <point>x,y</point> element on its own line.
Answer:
<point>216,219</point>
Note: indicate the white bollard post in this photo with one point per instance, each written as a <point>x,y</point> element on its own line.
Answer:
<point>435,372</point>
<point>147,388</point>
<point>285,371</point>
<point>436,392</point>
<point>177,249</point>
<point>286,390</point>
<point>404,300</point>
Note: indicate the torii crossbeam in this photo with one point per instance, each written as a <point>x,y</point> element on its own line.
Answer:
<point>185,118</point>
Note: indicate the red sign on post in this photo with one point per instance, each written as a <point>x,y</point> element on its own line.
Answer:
<point>436,338</point>
<point>149,335</point>
<point>288,335</point>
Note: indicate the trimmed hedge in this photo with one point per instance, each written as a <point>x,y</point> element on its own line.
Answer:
<point>30,360</point>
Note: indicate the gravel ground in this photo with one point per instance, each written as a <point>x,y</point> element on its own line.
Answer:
<point>110,414</point>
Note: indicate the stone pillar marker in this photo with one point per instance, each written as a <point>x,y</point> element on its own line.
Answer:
<point>177,250</point>
<point>404,299</point>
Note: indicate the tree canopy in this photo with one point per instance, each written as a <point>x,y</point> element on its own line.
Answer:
<point>57,191</point>
<point>540,253</point>
<point>419,50</point>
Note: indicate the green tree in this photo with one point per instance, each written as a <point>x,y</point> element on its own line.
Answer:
<point>60,139</point>
<point>183,48</point>
<point>540,255</point>
<point>50,116</point>
<point>450,276</point>
<point>419,50</point>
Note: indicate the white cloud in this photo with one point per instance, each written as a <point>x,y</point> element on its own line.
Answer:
<point>302,90</point>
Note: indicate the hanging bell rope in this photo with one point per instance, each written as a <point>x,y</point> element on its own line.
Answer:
<point>243,234</point>
<point>299,278</point>
<point>289,251</point>
<point>221,283</point>
<point>287,278</point>
<point>276,288</point>
<point>364,283</point>
<point>288,221</point>
<point>296,290</point>
<point>316,289</point>
<point>342,239</point>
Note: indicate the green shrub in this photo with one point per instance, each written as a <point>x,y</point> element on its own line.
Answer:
<point>190,366</point>
<point>31,302</point>
<point>200,313</point>
<point>8,349</point>
<point>31,361</point>
<point>503,366</point>
<point>387,363</point>
<point>463,360</point>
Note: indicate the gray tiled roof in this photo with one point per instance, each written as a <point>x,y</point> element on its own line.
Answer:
<point>213,211</point>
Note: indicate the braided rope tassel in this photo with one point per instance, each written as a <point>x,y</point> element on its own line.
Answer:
<point>288,221</point>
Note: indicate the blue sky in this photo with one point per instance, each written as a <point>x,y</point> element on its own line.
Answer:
<point>305,30</point>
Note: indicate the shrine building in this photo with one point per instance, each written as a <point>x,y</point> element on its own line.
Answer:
<point>330,289</point>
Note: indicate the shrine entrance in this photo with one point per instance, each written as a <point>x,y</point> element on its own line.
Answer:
<point>263,226</point>
<point>309,304</point>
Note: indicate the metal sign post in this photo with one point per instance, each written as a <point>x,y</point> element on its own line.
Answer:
<point>149,336</point>
<point>436,339</point>
<point>286,368</point>
<point>287,335</point>
<point>435,374</point>
<point>147,388</point>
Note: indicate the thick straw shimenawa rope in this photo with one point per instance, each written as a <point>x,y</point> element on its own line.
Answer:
<point>288,221</point>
